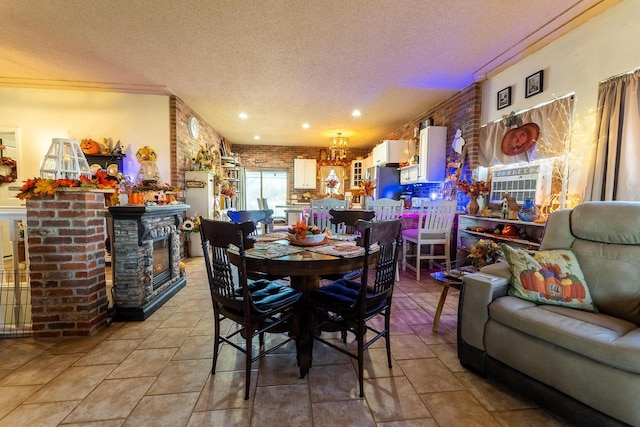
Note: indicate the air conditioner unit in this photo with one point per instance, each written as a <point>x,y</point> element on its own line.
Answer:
<point>522,182</point>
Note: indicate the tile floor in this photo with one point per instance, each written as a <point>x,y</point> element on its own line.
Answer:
<point>157,373</point>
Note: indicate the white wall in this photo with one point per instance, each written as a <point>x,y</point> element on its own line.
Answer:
<point>603,47</point>
<point>41,115</point>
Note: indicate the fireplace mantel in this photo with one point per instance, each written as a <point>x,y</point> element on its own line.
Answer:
<point>135,230</point>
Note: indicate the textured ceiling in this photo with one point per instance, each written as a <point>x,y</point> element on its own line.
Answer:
<point>282,62</point>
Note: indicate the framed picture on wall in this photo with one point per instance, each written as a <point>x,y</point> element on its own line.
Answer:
<point>323,154</point>
<point>533,84</point>
<point>504,98</point>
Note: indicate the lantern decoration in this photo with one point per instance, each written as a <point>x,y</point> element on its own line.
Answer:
<point>64,160</point>
<point>149,173</point>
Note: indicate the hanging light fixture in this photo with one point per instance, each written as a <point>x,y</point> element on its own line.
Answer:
<point>64,159</point>
<point>338,145</point>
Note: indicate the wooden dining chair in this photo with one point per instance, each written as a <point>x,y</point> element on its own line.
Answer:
<point>434,228</point>
<point>348,305</point>
<point>256,306</point>
<point>386,209</point>
<point>344,221</point>
<point>319,211</point>
<point>263,217</point>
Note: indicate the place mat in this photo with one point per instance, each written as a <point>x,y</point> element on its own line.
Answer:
<point>343,250</point>
<point>343,237</point>
<point>269,237</point>
<point>271,250</point>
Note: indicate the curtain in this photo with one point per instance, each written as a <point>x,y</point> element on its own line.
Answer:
<point>554,120</point>
<point>613,172</point>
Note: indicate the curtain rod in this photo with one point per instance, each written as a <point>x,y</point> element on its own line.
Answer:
<point>619,75</point>
<point>572,95</point>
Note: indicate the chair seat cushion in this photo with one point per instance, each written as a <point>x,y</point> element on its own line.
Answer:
<point>269,295</point>
<point>340,295</point>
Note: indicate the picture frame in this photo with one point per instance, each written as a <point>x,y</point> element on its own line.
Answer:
<point>504,98</point>
<point>533,84</point>
<point>323,154</point>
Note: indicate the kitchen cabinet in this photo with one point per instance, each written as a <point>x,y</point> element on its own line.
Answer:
<point>472,228</point>
<point>304,174</point>
<point>409,174</point>
<point>357,173</point>
<point>433,157</point>
<point>391,151</point>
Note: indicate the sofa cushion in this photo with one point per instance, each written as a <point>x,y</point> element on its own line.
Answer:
<point>605,339</point>
<point>548,277</point>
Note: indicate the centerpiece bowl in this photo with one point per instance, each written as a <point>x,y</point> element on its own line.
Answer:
<point>308,240</point>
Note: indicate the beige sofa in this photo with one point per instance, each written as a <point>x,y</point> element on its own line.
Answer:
<point>584,366</point>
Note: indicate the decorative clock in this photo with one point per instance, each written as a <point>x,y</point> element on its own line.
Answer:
<point>194,127</point>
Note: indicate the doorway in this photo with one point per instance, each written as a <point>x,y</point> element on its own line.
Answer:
<point>268,184</point>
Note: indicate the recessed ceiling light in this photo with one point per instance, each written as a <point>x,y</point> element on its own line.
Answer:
<point>257,137</point>
<point>243,115</point>
<point>305,125</point>
<point>356,113</point>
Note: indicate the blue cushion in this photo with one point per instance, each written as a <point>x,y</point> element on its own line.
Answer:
<point>341,294</point>
<point>269,295</point>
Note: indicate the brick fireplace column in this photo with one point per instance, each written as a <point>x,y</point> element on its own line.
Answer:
<point>67,266</point>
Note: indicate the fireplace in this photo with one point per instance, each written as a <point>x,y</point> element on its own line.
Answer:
<point>161,262</point>
<point>145,258</point>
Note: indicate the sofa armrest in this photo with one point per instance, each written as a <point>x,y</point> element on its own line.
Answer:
<point>477,292</point>
<point>500,269</point>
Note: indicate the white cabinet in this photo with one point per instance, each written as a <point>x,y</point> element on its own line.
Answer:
<point>433,159</point>
<point>409,174</point>
<point>357,173</point>
<point>304,173</point>
<point>391,151</point>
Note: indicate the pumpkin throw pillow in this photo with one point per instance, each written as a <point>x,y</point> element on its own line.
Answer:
<point>548,277</point>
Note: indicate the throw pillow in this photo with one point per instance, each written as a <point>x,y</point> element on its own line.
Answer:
<point>548,277</point>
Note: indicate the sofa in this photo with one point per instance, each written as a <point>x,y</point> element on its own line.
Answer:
<point>582,365</point>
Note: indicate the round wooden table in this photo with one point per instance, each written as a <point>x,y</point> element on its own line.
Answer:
<point>305,269</point>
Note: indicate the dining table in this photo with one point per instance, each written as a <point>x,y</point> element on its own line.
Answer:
<point>273,254</point>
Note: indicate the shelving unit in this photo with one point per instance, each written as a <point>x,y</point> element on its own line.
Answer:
<point>529,236</point>
<point>234,173</point>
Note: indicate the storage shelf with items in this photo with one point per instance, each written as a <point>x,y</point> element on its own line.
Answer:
<point>517,233</point>
<point>231,192</point>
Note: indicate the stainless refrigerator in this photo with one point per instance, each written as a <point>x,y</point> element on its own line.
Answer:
<point>387,179</point>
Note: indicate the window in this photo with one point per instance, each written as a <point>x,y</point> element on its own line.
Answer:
<point>267,184</point>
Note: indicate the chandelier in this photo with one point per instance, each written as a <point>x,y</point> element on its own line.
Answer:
<point>338,145</point>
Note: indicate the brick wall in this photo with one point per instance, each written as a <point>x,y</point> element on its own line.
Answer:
<point>183,147</point>
<point>461,111</point>
<point>67,267</point>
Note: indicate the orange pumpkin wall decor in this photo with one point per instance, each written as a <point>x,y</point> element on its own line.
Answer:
<point>89,146</point>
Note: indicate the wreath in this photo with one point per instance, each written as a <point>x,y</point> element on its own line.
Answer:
<point>13,165</point>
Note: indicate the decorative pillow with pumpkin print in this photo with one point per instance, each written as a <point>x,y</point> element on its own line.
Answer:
<point>548,277</point>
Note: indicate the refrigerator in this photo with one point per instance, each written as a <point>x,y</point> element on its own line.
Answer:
<point>387,179</point>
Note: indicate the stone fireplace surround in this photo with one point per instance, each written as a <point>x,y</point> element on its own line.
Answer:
<point>135,229</point>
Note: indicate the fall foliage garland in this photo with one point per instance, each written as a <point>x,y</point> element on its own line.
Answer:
<point>40,187</point>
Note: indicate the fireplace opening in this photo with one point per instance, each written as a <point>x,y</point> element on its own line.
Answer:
<point>161,262</point>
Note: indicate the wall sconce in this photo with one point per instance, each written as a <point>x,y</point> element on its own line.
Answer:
<point>64,160</point>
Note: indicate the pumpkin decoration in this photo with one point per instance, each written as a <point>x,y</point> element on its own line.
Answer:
<point>510,230</point>
<point>520,139</point>
<point>89,146</point>
<point>146,153</point>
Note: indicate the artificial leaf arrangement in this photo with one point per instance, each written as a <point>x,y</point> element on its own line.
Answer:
<point>301,229</point>
<point>39,187</point>
<point>367,187</point>
<point>474,189</point>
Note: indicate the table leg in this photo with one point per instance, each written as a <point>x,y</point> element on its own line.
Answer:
<point>303,324</point>
<point>443,297</point>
